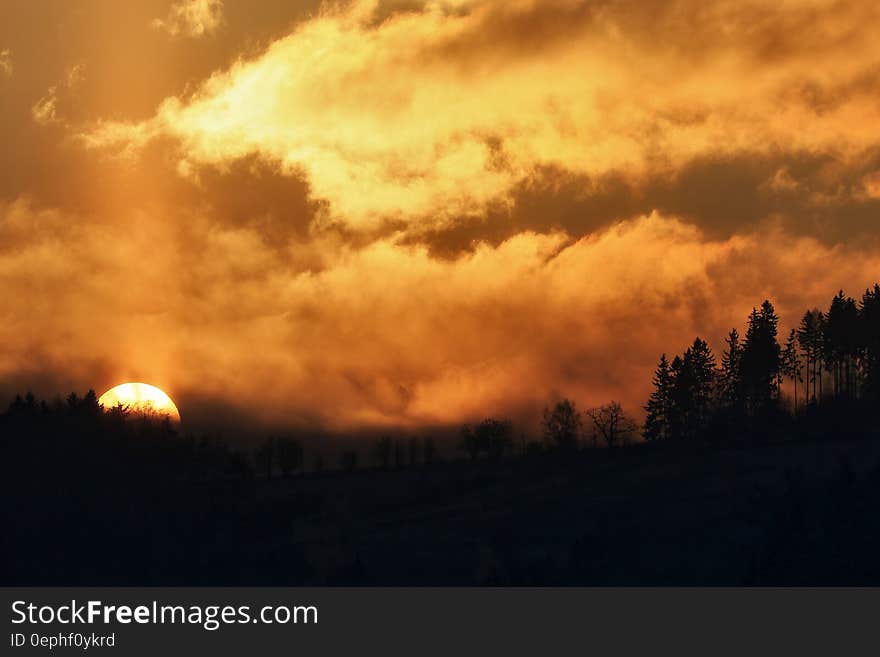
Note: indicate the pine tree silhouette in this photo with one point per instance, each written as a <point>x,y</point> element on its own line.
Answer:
<point>730,376</point>
<point>659,404</point>
<point>791,363</point>
<point>810,339</point>
<point>693,385</point>
<point>761,359</point>
<point>869,330</point>
<point>840,344</point>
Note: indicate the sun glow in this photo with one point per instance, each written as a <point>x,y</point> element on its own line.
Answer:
<point>140,397</point>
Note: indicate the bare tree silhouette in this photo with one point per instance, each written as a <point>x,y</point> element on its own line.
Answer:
<point>612,423</point>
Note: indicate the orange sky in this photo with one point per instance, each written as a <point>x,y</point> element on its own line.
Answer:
<point>369,214</point>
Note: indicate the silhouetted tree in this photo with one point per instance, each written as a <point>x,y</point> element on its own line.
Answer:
<point>869,319</point>
<point>469,443</point>
<point>289,455</point>
<point>413,448</point>
<point>118,413</point>
<point>430,450</point>
<point>399,455</point>
<point>845,342</point>
<point>659,404</point>
<point>22,406</point>
<point>761,359</point>
<point>840,344</point>
<point>494,437</point>
<point>730,376</point>
<point>265,455</point>
<point>791,363</point>
<point>382,452</point>
<point>679,399</point>
<point>89,406</point>
<point>692,391</point>
<point>701,363</point>
<point>810,338</point>
<point>239,466</point>
<point>562,425</point>
<point>612,423</point>
<point>533,449</point>
<point>348,461</point>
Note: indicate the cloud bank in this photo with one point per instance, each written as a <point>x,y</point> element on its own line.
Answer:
<point>387,335</point>
<point>411,214</point>
<point>435,117</point>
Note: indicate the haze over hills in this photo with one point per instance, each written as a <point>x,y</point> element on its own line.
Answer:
<point>728,482</point>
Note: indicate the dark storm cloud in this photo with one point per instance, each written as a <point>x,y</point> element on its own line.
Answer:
<point>250,193</point>
<point>812,194</point>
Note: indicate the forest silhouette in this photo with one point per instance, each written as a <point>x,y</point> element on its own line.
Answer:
<point>761,467</point>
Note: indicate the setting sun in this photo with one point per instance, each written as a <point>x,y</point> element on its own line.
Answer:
<point>140,397</point>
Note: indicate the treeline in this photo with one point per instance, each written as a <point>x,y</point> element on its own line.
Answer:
<point>286,456</point>
<point>115,497</point>
<point>831,356</point>
<point>77,433</point>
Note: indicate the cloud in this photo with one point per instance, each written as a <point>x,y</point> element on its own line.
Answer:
<point>412,214</point>
<point>6,67</point>
<point>317,333</point>
<point>74,76</point>
<point>434,117</point>
<point>808,193</point>
<point>44,110</point>
<point>193,18</point>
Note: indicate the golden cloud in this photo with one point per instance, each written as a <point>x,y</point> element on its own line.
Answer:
<point>407,214</point>
<point>6,67</point>
<point>193,18</point>
<point>384,335</point>
<point>435,114</point>
<point>44,110</point>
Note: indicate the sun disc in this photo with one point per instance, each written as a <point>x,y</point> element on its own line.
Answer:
<point>140,397</point>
